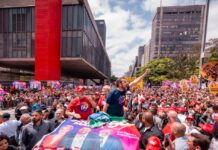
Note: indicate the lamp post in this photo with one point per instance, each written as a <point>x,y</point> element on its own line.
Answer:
<point>160,29</point>
<point>206,12</point>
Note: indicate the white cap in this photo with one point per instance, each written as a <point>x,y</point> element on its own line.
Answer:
<point>23,108</point>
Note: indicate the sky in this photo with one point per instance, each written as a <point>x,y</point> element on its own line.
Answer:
<point>129,25</point>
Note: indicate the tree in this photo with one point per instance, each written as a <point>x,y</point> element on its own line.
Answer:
<point>113,78</point>
<point>161,69</point>
<point>187,62</point>
<point>213,56</point>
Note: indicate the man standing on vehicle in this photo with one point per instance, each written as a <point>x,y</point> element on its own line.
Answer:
<point>115,100</point>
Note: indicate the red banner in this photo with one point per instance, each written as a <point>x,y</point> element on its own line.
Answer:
<point>47,39</point>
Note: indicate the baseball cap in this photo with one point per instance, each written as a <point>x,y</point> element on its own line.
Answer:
<point>80,89</point>
<point>153,143</point>
<point>206,127</point>
<point>190,118</point>
<point>182,109</point>
<point>23,108</point>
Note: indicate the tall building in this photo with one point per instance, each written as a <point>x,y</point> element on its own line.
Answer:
<point>140,56</point>
<point>135,66</point>
<point>147,49</point>
<point>176,29</point>
<point>83,54</point>
<point>102,30</point>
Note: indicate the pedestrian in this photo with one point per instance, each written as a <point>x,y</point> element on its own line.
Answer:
<point>149,129</point>
<point>8,128</point>
<point>4,143</point>
<point>198,142</point>
<point>35,130</point>
<point>178,131</point>
<point>25,119</point>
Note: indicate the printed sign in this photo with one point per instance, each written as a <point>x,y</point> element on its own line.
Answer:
<point>213,87</point>
<point>76,134</point>
<point>35,85</point>
<point>138,85</point>
<point>194,80</point>
<point>209,71</point>
<point>18,85</point>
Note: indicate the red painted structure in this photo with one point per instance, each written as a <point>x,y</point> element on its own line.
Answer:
<point>47,39</point>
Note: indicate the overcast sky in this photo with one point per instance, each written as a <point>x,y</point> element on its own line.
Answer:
<point>128,24</point>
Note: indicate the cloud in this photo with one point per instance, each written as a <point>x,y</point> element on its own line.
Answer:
<point>126,31</point>
<point>151,5</point>
<point>212,31</point>
<point>129,26</point>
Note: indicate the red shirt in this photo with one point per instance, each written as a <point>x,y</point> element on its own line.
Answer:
<point>101,102</point>
<point>81,106</point>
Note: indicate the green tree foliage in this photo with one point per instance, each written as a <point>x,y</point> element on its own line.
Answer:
<point>113,78</point>
<point>213,51</point>
<point>213,55</point>
<point>168,69</point>
<point>160,70</point>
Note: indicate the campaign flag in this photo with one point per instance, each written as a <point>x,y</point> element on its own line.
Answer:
<point>55,84</point>
<point>77,134</point>
<point>19,85</point>
<point>35,85</point>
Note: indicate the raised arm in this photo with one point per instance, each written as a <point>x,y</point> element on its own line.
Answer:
<point>137,80</point>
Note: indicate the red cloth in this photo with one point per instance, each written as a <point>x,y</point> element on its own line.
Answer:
<point>81,106</point>
<point>167,130</point>
<point>101,102</point>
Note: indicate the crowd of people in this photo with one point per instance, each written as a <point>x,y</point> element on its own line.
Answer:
<point>165,117</point>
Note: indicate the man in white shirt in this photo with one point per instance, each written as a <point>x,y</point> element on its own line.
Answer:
<point>9,127</point>
<point>189,125</point>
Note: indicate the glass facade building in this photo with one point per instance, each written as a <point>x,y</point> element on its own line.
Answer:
<point>176,29</point>
<point>80,37</point>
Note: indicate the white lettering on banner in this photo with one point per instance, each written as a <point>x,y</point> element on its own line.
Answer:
<point>126,134</point>
<point>116,124</point>
<point>80,123</point>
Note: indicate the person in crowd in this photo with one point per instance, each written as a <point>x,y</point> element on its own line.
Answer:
<point>102,100</point>
<point>5,143</point>
<point>198,142</point>
<point>24,109</point>
<point>214,141</point>
<point>189,124</point>
<point>24,119</point>
<point>58,119</point>
<point>181,114</point>
<point>150,129</point>
<point>115,101</point>
<point>35,130</point>
<point>172,117</point>
<point>81,106</point>
<point>8,128</point>
<point>157,119</point>
<point>178,131</point>
<point>197,114</point>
